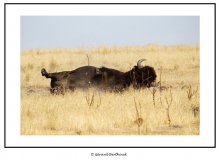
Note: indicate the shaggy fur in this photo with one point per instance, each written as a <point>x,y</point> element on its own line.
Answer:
<point>112,79</point>
<point>109,78</point>
<point>145,75</point>
<point>78,78</point>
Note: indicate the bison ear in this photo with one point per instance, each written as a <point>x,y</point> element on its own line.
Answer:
<point>139,63</point>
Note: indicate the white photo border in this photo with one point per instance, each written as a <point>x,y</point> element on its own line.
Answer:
<point>13,12</point>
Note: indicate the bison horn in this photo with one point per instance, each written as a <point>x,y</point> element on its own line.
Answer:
<point>139,63</point>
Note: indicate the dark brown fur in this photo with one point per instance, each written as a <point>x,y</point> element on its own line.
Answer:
<point>112,79</point>
<point>144,76</point>
<point>57,79</point>
<point>78,78</point>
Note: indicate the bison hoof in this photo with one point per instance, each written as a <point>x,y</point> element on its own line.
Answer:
<point>43,72</point>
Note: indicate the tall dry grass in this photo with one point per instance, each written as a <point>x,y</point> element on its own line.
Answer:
<point>169,112</point>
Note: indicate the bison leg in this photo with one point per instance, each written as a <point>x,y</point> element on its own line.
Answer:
<point>56,76</point>
<point>47,75</point>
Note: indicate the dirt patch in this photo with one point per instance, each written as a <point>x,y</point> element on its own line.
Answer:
<point>35,90</point>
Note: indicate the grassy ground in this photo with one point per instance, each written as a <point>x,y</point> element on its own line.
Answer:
<point>169,112</point>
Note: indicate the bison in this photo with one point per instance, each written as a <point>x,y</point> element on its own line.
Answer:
<point>101,78</point>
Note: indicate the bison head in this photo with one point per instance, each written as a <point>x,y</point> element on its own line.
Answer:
<point>144,75</point>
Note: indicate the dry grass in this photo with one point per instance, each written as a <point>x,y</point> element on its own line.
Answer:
<point>112,113</point>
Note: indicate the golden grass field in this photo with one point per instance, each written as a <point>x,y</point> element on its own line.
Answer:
<point>133,112</point>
